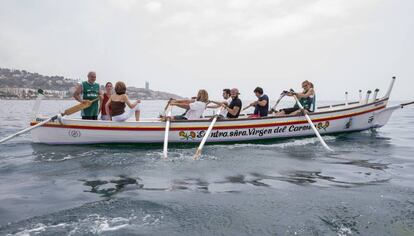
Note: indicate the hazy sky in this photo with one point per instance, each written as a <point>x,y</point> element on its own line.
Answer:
<point>183,45</point>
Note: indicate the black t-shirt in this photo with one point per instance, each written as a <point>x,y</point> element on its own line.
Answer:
<point>236,102</point>
<point>262,111</point>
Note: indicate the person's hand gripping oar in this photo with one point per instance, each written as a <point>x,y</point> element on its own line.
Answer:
<point>310,122</point>
<point>85,104</point>
<point>282,95</point>
<point>207,134</point>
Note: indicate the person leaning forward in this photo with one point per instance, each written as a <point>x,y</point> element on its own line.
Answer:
<point>89,90</point>
<point>261,106</point>
<point>195,107</point>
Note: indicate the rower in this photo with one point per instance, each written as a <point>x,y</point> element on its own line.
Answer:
<point>90,91</point>
<point>226,102</point>
<point>235,105</point>
<point>195,107</point>
<point>261,105</point>
<point>306,98</point>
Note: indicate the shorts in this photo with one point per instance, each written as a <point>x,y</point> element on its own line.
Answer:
<point>105,117</point>
<point>291,110</point>
<point>181,117</point>
<point>127,114</point>
<point>89,117</point>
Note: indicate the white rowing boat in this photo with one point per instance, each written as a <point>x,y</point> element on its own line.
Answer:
<point>339,118</point>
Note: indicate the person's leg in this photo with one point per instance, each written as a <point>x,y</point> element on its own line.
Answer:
<point>295,113</point>
<point>128,114</point>
<point>137,111</point>
<point>286,111</point>
<point>280,113</point>
<point>180,117</point>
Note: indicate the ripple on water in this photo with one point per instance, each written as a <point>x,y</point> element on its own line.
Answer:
<point>121,216</point>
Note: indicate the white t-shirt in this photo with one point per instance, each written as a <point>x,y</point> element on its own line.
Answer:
<point>224,111</point>
<point>196,110</point>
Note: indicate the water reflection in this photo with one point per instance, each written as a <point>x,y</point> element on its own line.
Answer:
<point>108,188</point>
<point>300,177</point>
<point>195,184</point>
<point>367,164</point>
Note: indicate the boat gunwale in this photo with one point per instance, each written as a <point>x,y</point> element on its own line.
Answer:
<point>236,126</point>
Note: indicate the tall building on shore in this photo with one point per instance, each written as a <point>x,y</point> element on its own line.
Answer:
<point>147,85</point>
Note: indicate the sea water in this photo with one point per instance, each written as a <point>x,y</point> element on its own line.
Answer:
<point>287,187</point>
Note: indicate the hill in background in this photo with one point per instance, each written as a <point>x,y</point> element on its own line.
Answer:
<point>20,84</point>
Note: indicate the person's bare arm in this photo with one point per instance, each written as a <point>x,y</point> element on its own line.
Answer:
<point>100,101</point>
<point>185,104</point>
<point>213,106</point>
<point>233,111</point>
<point>107,108</point>
<point>128,102</point>
<point>309,93</point>
<point>262,103</point>
<point>77,93</point>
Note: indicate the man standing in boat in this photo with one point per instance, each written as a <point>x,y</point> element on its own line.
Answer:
<point>261,105</point>
<point>89,90</point>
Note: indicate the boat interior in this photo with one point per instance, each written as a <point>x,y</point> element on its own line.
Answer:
<point>320,109</point>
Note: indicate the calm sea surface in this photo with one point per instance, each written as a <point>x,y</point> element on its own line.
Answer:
<point>290,187</point>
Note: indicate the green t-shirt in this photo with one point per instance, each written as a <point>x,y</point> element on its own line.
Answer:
<point>90,92</point>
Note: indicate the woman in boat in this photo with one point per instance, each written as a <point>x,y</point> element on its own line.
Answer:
<point>118,101</point>
<point>195,108</point>
<point>107,94</point>
<point>306,98</point>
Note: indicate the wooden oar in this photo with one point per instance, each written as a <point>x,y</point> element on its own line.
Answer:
<point>206,135</point>
<point>247,107</point>
<point>215,102</point>
<point>277,102</point>
<point>312,125</point>
<point>406,104</point>
<point>85,104</point>
<point>168,104</point>
<point>167,130</point>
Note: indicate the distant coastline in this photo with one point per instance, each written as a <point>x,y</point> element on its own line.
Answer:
<point>23,85</point>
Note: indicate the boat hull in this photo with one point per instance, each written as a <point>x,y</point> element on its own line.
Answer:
<point>75,131</point>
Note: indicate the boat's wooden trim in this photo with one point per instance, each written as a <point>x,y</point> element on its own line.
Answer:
<point>217,127</point>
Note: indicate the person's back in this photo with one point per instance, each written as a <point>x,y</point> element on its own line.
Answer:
<point>119,101</point>
<point>117,104</point>
<point>196,110</point>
